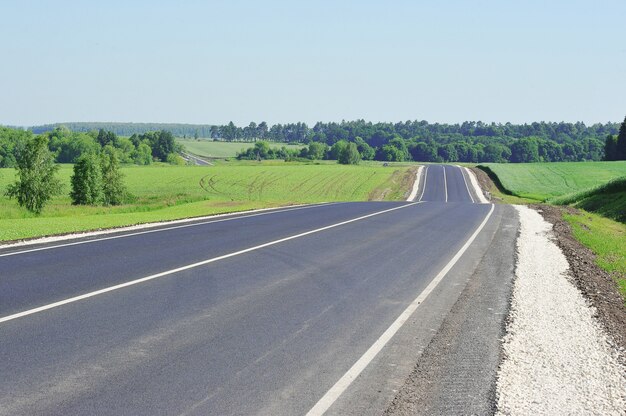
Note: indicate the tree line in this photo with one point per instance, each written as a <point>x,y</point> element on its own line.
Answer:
<point>67,146</point>
<point>428,142</point>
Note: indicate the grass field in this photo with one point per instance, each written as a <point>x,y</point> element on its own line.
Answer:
<point>170,192</point>
<point>607,239</point>
<point>209,148</point>
<point>593,186</point>
<point>541,181</point>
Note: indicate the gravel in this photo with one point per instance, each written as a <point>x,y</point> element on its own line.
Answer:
<point>557,358</point>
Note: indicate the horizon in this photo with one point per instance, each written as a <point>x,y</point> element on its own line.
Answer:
<point>311,125</point>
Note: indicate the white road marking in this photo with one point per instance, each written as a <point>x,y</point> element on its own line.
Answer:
<point>477,189</point>
<point>424,187</point>
<point>344,382</point>
<point>466,186</point>
<point>233,217</point>
<point>445,182</point>
<point>416,184</point>
<point>191,266</point>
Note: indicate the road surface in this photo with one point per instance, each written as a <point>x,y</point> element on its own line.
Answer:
<point>248,314</point>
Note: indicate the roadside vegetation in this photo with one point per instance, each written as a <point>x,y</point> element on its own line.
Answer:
<point>596,189</point>
<point>165,192</point>
<point>606,238</point>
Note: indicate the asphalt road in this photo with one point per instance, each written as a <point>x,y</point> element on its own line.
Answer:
<point>249,314</point>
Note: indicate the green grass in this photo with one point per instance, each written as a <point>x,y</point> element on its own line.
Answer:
<point>608,199</point>
<point>591,186</point>
<point>211,149</point>
<point>607,239</point>
<point>164,192</point>
<point>541,181</point>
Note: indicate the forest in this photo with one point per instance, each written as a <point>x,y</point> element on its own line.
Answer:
<point>402,141</point>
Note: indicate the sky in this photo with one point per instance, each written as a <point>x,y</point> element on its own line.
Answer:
<point>211,62</point>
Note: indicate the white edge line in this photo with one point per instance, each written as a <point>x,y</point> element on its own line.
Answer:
<point>476,186</point>
<point>191,266</point>
<point>445,182</point>
<point>232,217</point>
<point>340,386</point>
<point>424,187</point>
<point>416,184</point>
<point>466,186</point>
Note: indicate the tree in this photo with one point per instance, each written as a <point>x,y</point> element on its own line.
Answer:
<point>336,149</point>
<point>316,151</point>
<point>349,155</point>
<point>36,183</point>
<point>106,137</point>
<point>143,154</point>
<point>366,151</point>
<point>610,148</point>
<point>525,150</point>
<point>621,142</point>
<point>86,180</point>
<point>113,189</point>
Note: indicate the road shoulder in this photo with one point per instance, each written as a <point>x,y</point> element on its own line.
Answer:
<point>456,373</point>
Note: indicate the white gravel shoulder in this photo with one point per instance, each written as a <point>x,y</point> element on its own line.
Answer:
<point>477,188</point>
<point>416,184</point>
<point>557,359</point>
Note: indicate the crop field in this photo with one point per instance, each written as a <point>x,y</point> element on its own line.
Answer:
<point>209,148</point>
<point>164,192</point>
<point>541,181</point>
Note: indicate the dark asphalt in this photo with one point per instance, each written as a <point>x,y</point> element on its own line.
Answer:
<point>265,332</point>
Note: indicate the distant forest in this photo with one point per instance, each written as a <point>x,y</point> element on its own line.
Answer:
<point>411,140</point>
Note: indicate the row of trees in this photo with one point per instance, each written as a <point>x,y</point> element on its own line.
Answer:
<point>466,142</point>
<point>343,151</point>
<point>96,178</point>
<point>67,146</point>
<point>397,149</point>
<point>348,130</point>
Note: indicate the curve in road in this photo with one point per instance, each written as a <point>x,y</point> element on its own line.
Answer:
<point>293,300</point>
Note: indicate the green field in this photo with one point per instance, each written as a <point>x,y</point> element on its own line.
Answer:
<point>166,192</point>
<point>211,149</point>
<point>541,181</point>
<point>593,186</point>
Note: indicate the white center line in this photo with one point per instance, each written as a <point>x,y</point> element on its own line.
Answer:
<point>344,382</point>
<point>191,266</point>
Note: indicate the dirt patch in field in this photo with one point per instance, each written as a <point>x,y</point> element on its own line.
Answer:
<point>596,284</point>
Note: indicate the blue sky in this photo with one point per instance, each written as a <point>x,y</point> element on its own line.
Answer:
<point>285,61</point>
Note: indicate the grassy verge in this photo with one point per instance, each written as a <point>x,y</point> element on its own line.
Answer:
<point>608,199</point>
<point>164,192</point>
<point>599,187</point>
<point>606,238</point>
